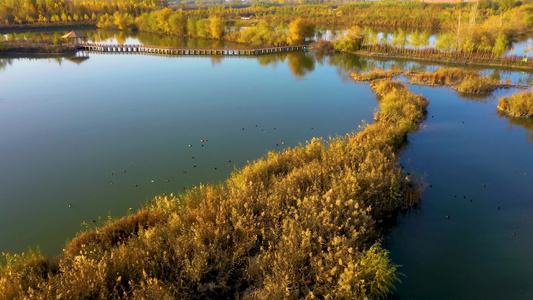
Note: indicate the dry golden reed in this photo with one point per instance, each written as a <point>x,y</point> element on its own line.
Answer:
<point>464,81</point>
<point>517,105</point>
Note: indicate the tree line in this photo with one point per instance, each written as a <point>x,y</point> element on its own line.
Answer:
<point>490,38</point>
<point>383,13</point>
<point>167,21</point>
<point>68,11</point>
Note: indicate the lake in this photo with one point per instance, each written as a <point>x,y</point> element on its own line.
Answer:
<point>94,134</point>
<point>80,138</point>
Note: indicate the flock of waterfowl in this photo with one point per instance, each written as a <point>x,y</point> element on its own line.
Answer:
<point>472,200</point>
<point>202,144</point>
<point>281,142</point>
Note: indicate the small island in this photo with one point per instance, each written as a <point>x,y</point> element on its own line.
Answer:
<point>517,105</point>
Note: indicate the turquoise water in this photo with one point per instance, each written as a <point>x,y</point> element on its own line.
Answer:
<point>70,128</point>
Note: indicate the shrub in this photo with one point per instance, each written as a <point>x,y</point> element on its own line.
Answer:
<point>518,105</point>
<point>476,85</point>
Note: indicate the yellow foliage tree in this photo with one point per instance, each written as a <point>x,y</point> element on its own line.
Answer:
<point>216,25</point>
<point>299,29</point>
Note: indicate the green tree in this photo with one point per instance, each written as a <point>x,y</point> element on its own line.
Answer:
<point>178,24</point>
<point>191,26</point>
<point>415,39</point>
<point>445,41</point>
<point>500,46</point>
<point>351,42</point>
<point>399,39</point>
<point>202,28</point>
<point>424,38</point>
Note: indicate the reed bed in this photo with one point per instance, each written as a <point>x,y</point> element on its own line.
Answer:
<point>375,74</point>
<point>517,105</point>
<point>463,81</point>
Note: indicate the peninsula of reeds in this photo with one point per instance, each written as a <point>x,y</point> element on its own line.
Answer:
<point>301,223</point>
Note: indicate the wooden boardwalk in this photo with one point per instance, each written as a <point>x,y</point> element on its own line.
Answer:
<point>145,49</point>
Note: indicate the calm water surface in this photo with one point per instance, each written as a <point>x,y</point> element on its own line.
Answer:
<point>68,129</point>
<point>94,135</point>
<point>480,174</point>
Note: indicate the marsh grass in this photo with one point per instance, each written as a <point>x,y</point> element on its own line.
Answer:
<point>301,223</point>
<point>517,105</point>
<point>375,74</point>
<point>463,81</point>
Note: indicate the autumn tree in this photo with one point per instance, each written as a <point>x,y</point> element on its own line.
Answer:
<point>216,26</point>
<point>399,39</point>
<point>191,26</point>
<point>178,24</point>
<point>300,29</point>
<point>351,41</point>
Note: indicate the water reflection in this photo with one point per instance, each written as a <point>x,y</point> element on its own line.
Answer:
<point>4,62</point>
<point>77,59</point>
<point>299,64</point>
<point>526,123</point>
<point>125,37</point>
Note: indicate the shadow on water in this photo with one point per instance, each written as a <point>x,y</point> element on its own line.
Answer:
<point>526,123</point>
<point>481,98</point>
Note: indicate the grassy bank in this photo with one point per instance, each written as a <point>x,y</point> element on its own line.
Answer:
<point>517,105</point>
<point>302,223</point>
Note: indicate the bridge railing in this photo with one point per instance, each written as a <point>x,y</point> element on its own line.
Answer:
<point>96,47</point>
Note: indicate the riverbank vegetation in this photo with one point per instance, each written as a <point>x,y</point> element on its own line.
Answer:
<point>167,21</point>
<point>478,33</point>
<point>384,13</point>
<point>375,74</point>
<point>301,223</point>
<point>463,81</point>
<point>517,105</point>
<point>471,42</point>
<point>35,47</point>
